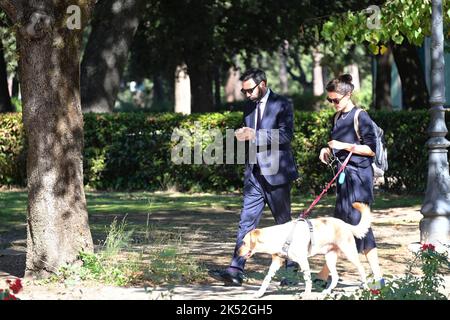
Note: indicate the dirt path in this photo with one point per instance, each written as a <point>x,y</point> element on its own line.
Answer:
<point>208,237</point>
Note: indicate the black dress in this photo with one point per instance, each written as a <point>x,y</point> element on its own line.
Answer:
<point>358,183</point>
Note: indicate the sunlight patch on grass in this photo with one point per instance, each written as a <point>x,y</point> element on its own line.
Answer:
<point>13,204</point>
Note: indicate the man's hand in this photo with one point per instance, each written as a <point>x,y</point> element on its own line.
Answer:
<point>325,155</point>
<point>245,133</point>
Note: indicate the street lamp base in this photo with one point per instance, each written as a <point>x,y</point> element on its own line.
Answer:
<point>435,230</point>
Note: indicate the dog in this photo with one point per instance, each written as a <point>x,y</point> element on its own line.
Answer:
<point>331,236</point>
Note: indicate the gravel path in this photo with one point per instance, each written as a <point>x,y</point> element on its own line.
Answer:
<point>211,244</point>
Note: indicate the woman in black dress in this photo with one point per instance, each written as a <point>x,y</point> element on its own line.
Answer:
<point>356,183</point>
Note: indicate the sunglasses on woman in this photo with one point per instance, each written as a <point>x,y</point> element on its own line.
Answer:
<point>335,100</point>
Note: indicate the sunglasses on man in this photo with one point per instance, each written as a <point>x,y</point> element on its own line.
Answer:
<point>249,91</point>
<point>335,101</point>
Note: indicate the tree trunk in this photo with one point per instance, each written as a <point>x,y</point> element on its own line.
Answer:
<point>353,70</point>
<point>158,90</point>
<point>318,80</point>
<point>5,100</point>
<point>113,28</point>
<point>383,81</point>
<point>233,85</point>
<point>182,90</point>
<point>217,88</point>
<point>283,73</point>
<point>293,52</point>
<point>14,86</point>
<point>57,222</point>
<point>414,89</point>
<point>201,76</point>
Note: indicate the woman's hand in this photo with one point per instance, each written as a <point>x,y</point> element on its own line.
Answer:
<point>325,155</point>
<point>334,144</point>
<point>362,150</point>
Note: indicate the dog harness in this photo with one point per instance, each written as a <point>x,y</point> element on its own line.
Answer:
<point>288,241</point>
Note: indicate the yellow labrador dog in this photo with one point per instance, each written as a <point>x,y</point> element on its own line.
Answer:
<point>330,236</point>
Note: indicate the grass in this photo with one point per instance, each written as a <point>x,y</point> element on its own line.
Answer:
<point>13,204</point>
<point>143,236</point>
<point>117,262</point>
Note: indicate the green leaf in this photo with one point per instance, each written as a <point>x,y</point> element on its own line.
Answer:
<point>398,39</point>
<point>374,48</point>
<point>376,36</point>
<point>327,29</point>
<point>408,21</point>
<point>417,33</point>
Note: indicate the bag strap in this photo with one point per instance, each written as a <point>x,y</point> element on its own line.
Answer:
<point>336,117</point>
<point>356,122</point>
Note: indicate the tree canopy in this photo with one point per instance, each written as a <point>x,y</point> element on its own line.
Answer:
<point>399,20</point>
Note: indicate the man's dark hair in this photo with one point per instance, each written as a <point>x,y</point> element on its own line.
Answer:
<point>256,74</point>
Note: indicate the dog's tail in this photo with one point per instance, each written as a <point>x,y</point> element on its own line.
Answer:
<point>360,230</point>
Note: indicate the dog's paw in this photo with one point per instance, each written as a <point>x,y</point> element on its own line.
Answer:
<point>258,294</point>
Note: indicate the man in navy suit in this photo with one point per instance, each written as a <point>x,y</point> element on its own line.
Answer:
<point>269,122</point>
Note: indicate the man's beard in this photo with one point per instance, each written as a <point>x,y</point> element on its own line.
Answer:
<point>261,94</point>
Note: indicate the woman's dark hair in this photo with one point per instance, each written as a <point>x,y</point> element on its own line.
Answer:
<point>256,74</point>
<point>342,85</point>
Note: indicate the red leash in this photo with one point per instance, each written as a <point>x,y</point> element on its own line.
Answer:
<point>307,211</point>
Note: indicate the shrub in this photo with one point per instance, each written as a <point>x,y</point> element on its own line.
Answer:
<point>110,265</point>
<point>12,150</point>
<point>427,286</point>
<point>132,151</point>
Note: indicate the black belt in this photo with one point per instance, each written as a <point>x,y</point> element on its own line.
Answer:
<point>283,147</point>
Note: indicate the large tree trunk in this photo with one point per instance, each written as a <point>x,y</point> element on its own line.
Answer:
<point>414,89</point>
<point>383,81</point>
<point>57,222</point>
<point>113,28</point>
<point>5,100</point>
<point>201,76</point>
<point>182,90</point>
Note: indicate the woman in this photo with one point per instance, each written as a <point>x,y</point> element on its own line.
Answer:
<point>356,182</point>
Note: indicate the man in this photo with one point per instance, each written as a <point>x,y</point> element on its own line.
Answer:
<point>269,122</point>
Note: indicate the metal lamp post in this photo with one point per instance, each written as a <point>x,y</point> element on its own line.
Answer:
<point>435,225</point>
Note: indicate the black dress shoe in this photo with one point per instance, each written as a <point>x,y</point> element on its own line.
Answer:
<point>227,277</point>
<point>321,284</point>
<point>292,268</point>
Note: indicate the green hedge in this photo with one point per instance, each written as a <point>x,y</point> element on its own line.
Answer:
<point>12,150</point>
<point>130,151</point>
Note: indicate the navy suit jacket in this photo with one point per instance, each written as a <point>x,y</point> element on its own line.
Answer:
<point>278,114</point>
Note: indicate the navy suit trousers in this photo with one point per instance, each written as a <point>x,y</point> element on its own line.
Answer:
<point>258,192</point>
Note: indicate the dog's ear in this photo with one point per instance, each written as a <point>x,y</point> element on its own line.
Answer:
<point>254,236</point>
